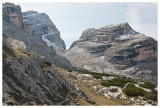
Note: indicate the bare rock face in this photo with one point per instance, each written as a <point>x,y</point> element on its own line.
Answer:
<point>41,25</point>
<point>107,33</point>
<point>116,49</point>
<point>28,80</point>
<point>12,14</point>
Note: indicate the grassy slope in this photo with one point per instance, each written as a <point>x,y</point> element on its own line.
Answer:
<point>98,98</point>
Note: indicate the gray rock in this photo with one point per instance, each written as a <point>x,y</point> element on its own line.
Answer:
<point>12,14</point>
<point>41,25</point>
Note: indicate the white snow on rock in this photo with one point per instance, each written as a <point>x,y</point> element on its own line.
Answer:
<point>52,33</point>
<point>131,32</point>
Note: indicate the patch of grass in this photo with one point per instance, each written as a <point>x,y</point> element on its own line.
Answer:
<point>42,65</point>
<point>47,69</point>
<point>47,62</point>
<point>94,74</point>
<point>8,51</point>
<point>30,54</point>
<point>69,70</point>
<point>131,90</point>
<point>148,85</point>
<point>109,83</point>
<point>119,81</point>
<point>97,76</point>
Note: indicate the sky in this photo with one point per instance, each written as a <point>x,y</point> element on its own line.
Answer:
<point>72,19</point>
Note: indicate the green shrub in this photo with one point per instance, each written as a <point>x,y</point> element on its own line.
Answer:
<point>155,92</point>
<point>148,85</point>
<point>47,62</point>
<point>109,83</point>
<point>96,76</point>
<point>119,81</point>
<point>69,70</point>
<point>151,96</point>
<point>131,90</point>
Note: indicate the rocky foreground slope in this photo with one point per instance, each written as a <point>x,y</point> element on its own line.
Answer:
<point>116,49</point>
<point>30,80</point>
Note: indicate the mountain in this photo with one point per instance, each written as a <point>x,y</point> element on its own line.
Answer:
<point>39,24</point>
<point>37,72</point>
<point>13,27</point>
<point>116,49</point>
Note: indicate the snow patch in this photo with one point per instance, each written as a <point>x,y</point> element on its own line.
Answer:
<point>52,33</point>
<point>131,32</point>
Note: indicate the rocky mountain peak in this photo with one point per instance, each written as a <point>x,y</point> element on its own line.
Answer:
<point>108,33</point>
<point>116,49</point>
<point>39,24</point>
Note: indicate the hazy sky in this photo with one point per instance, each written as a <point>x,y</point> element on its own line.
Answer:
<point>73,18</point>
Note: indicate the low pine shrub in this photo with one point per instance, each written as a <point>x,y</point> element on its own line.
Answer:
<point>119,81</point>
<point>131,90</point>
<point>47,62</point>
<point>148,85</point>
<point>69,70</point>
<point>151,96</point>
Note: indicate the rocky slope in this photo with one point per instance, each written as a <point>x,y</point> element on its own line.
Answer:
<point>30,80</point>
<point>39,24</point>
<point>116,49</point>
<point>33,43</point>
<point>108,89</point>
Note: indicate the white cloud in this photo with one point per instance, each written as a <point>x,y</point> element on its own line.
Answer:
<point>143,18</point>
<point>133,17</point>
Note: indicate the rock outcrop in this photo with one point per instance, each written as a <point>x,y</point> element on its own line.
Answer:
<point>116,49</point>
<point>29,79</point>
<point>41,25</point>
<point>12,14</point>
<point>33,43</point>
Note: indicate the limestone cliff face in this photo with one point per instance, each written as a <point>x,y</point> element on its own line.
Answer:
<point>41,25</point>
<point>12,14</point>
<point>116,49</point>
